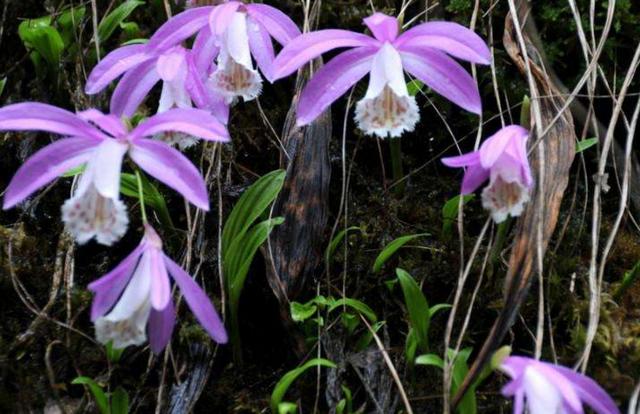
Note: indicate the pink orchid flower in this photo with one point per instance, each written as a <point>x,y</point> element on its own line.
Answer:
<point>549,388</point>
<point>135,299</point>
<point>502,158</point>
<point>387,108</point>
<point>100,142</point>
<point>242,31</point>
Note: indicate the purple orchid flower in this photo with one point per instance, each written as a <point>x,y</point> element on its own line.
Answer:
<point>100,142</point>
<point>387,108</point>
<point>242,31</point>
<point>135,298</point>
<point>550,388</point>
<point>183,73</point>
<point>502,158</point>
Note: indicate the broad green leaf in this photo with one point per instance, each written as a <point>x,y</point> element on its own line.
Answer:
<point>357,305</point>
<point>450,212</point>
<point>430,359</point>
<point>285,382</point>
<point>585,144</point>
<point>39,35</point>
<point>300,312</point>
<point>119,401</point>
<point>411,343</point>
<point>131,30</point>
<point>417,306</point>
<point>98,394</point>
<point>468,404</point>
<point>68,21</point>
<point>253,202</point>
<point>3,83</point>
<point>337,240</point>
<point>111,21</point>
<point>393,247</point>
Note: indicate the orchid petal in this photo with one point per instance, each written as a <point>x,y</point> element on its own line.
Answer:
<point>136,293</point>
<point>448,37</point>
<point>471,158</point>
<point>204,97</point>
<point>205,49</point>
<point>331,81</point>
<point>133,88</point>
<point>114,65</point>
<point>444,75</point>
<point>109,287</point>
<point>384,28</point>
<point>172,66</point>
<point>198,301</point>
<point>561,383</point>
<point>386,70</point>
<point>196,122</point>
<point>236,40</point>
<point>160,284</point>
<point>279,25</point>
<point>261,47</point>
<point>589,391</point>
<point>160,327</point>
<point>495,145</point>
<point>309,46</point>
<point>221,17</point>
<point>108,123</point>
<point>33,116</point>
<point>179,27</point>
<point>474,176</point>
<point>45,165</point>
<point>105,166</point>
<point>172,168</point>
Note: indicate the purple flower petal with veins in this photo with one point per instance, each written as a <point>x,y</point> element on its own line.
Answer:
<point>502,158</point>
<point>100,142</point>
<point>547,388</point>
<point>135,299</point>
<point>387,109</point>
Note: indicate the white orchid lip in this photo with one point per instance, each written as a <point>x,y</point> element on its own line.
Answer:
<point>387,109</point>
<point>505,198</point>
<point>235,76</point>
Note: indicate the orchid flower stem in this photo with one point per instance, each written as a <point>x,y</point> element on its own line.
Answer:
<point>503,229</point>
<point>396,164</point>
<point>143,210</point>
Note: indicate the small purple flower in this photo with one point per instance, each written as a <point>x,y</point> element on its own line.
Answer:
<point>503,159</point>
<point>100,142</point>
<point>135,298</point>
<point>387,108</point>
<point>242,31</point>
<point>549,388</point>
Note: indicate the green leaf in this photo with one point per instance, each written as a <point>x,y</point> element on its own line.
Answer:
<point>131,30</point>
<point>450,212</point>
<point>411,347</point>
<point>113,354</point>
<point>285,382</point>
<point>119,401</point>
<point>417,306</point>
<point>367,337</point>
<point>96,390</point>
<point>337,240</point>
<point>585,144</point>
<point>345,406</point>
<point>627,281</point>
<point>37,34</point>
<point>111,21</point>
<point>468,404</point>
<point>525,113</point>
<point>300,312</point>
<point>414,87</point>
<point>393,247</point>
<point>287,407</point>
<point>3,83</point>
<point>430,359</point>
<point>139,41</point>
<point>437,308</point>
<point>152,197</point>
<point>69,21</point>
<point>357,305</point>
<point>75,171</point>
<point>253,202</point>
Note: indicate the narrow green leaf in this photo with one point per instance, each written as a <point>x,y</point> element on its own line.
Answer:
<point>417,306</point>
<point>450,212</point>
<point>300,312</point>
<point>525,113</point>
<point>287,407</point>
<point>393,247</point>
<point>430,359</point>
<point>113,354</point>
<point>3,83</point>
<point>337,240</point>
<point>357,305</point>
<point>75,171</point>
<point>152,196</point>
<point>437,308</point>
<point>585,144</point>
<point>285,382</point>
<point>139,41</point>
<point>111,21</point>
<point>98,394</point>
<point>627,281</point>
<point>253,202</point>
<point>367,337</point>
<point>414,87</point>
<point>119,401</point>
<point>69,21</point>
